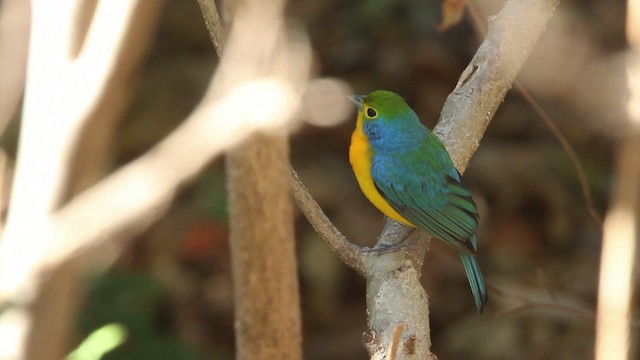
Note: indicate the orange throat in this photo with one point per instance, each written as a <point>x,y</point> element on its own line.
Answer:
<point>360,154</point>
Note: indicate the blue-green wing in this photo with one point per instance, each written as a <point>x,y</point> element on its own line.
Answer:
<point>425,188</point>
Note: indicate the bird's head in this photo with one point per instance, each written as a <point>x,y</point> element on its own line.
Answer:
<point>387,120</point>
<point>384,105</point>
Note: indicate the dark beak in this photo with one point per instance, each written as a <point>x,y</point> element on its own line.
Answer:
<point>357,99</point>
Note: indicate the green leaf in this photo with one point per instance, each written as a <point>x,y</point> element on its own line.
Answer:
<point>99,343</point>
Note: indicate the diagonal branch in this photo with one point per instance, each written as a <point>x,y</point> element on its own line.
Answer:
<point>392,299</point>
<point>214,24</point>
<point>350,253</point>
<point>471,105</point>
<point>511,37</point>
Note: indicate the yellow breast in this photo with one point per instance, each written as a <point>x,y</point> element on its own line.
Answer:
<point>360,159</point>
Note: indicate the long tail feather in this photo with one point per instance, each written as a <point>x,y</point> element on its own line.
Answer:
<point>475,280</point>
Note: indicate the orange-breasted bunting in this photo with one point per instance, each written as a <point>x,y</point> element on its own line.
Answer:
<point>406,172</point>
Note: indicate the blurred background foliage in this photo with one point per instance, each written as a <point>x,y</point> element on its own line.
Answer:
<point>172,290</point>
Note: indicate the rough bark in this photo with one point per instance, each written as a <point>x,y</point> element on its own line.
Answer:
<point>467,112</point>
<point>267,303</point>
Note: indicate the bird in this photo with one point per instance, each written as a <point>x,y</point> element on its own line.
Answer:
<point>404,170</point>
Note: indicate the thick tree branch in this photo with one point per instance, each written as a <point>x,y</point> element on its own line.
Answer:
<point>392,277</point>
<point>511,37</point>
<point>466,114</point>
<point>214,24</point>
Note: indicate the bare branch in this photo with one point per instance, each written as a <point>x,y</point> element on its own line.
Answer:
<point>14,36</point>
<point>548,121</point>
<point>214,24</point>
<point>394,293</point>
<point>466,114</point>
<point>468,110</point>
<point>350,253</point>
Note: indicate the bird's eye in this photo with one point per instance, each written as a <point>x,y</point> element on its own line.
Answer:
<point>371,113</point>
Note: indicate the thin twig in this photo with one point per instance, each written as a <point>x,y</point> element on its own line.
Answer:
<point>575,160</point>
<point>527,304</point>
<point>465,116</point>
<point>396,298</point>
<point>350,253</point>
<point>214,24</point>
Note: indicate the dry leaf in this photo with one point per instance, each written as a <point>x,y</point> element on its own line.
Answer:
<point>452,11</point>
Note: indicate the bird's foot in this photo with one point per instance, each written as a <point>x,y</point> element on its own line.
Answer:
<point>381,249</point>
<point>386,247</point>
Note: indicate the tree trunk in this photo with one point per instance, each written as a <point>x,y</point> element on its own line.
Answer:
<point>267,303</point>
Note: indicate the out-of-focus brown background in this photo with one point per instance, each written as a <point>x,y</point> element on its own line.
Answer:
<point>538,244</point>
